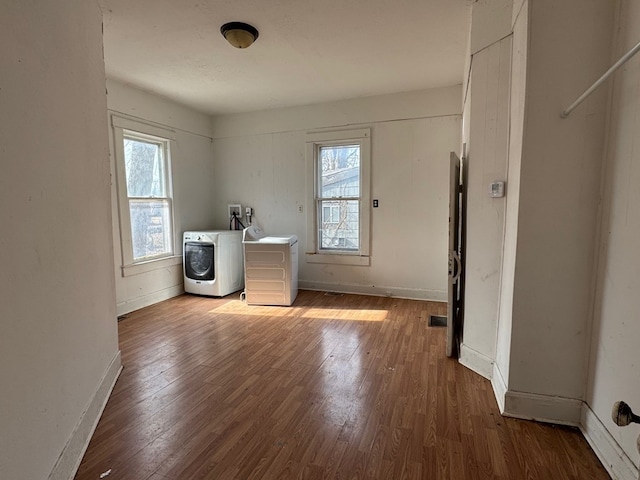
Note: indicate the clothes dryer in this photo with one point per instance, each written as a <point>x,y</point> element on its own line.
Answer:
<point>212,262</point>
<point>271,267</point>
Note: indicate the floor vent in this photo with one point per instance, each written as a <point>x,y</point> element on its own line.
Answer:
<point>437,321</point>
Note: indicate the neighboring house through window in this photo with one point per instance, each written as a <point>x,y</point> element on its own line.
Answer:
<point>338,178</point>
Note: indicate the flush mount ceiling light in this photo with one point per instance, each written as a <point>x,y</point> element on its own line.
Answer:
<point>238,34</point>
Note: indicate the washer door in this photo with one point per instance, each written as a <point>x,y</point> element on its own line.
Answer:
<point>199,261</point>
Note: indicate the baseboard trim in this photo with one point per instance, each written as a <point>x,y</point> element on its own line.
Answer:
<point>71,456</point>
<point>476,361</point>
<point>499,387</point>
<point>615,460</point>
<point>376,290</point>
<point>543,408</point>
<point>532,406</point>
<point>137,303</point>
<point>566,411</point>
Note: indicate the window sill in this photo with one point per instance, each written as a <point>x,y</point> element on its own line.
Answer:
<point>151,265</point>
<point>344,259</point>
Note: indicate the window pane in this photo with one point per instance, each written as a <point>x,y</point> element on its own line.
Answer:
<point>150,228</point>
<point>340,230</point>
<point>326,213</point>
<point>144,168</point>
<point>335,214</point>
<point>339,171</point>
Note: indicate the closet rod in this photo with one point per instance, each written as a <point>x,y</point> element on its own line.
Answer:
<point>601,80</point>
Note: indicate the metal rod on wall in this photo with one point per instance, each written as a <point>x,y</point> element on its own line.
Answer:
<point>601,80</point>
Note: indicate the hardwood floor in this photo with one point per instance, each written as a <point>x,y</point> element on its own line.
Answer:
<point>336,387</point>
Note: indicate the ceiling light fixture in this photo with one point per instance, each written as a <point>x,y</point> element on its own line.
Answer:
<point>238,34</point>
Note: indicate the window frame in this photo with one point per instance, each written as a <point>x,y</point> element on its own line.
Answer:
<point>128,128</point>
<point>314,141</point>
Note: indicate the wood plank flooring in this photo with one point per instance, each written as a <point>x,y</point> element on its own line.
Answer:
<point>335,387</point>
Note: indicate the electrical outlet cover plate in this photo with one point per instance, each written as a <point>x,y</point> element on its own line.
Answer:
<point>235,208</point>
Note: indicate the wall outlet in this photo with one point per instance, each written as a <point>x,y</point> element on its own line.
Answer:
<point>300,208</point>
<point>237,209</point>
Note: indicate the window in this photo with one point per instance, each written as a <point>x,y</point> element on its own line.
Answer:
<point>145,160</point>
<point>338,196</point>
<point>338,177</point>
<point>144,192</point>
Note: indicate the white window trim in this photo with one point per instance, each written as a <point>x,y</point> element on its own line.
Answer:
<point>129,267</point>
<point>150,265</point>
<point>313,141</point>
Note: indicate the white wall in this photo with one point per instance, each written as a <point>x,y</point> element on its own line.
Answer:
<point>569,46</point>
<point>487,117</point>
<point>58,336</point>
<point>556,180</point>
<point>614,372</point>
<point>260,162</point>
<point>193,187</point>
<point>529,259</point>
<point>491,22</point>
<point>520,44</point>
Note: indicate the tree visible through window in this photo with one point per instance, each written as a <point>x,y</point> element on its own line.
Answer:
<point>148,193</point>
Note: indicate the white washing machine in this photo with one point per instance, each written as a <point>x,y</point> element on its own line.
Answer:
<point>212,262</point>
<point>270,267</point>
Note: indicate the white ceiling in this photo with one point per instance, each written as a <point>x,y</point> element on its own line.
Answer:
<point>308,51</point>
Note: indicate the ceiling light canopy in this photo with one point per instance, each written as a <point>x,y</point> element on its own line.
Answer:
<point>238,34</point>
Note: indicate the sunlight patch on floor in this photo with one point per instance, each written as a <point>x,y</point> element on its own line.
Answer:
<point>343,314</point>
<point>238,307</point>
